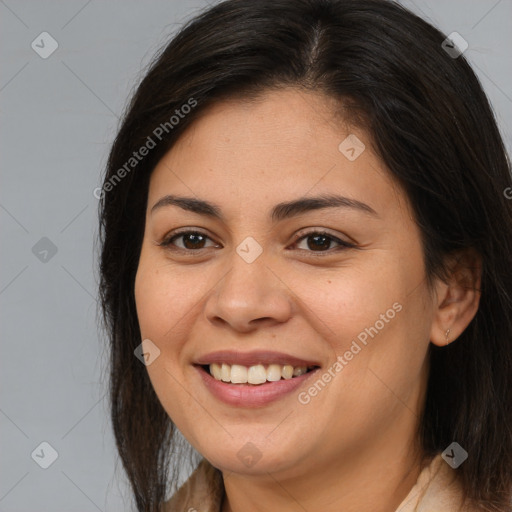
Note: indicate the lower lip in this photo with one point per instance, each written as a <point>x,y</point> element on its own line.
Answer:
<point>250,395</point>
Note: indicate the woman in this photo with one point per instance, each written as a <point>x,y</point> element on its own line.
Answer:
<point>307,243</point>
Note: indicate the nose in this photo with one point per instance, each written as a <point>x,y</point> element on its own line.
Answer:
<point>249,296</point>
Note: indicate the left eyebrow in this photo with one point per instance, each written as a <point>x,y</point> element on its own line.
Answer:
<point>280,211</point>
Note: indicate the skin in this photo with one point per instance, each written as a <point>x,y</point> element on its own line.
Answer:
<point>354,445</point>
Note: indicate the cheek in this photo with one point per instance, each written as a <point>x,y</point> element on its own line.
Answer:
<point>163,311</point>
<point>164,300</point>
<point>344,302</point>
<point>375,318</point>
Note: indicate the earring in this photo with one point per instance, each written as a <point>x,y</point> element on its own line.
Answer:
<point>446,335</point>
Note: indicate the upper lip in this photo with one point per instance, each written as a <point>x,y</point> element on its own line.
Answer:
<point>253,358</point>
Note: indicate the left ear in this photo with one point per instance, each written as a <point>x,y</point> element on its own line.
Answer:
<point>458,297</point>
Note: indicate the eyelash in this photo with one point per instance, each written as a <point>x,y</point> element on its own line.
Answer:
<point>342,245</point>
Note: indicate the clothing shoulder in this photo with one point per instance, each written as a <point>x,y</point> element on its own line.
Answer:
<point>437,489</point>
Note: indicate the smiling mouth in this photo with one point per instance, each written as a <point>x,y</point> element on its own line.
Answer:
<point>256,374</point>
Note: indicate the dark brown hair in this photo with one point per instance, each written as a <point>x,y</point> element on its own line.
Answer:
<point>433,127</point>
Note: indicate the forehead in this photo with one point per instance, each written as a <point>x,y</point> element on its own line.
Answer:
<point>278,119</point>
<point>285,144</point>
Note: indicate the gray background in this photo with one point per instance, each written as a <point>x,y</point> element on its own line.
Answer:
<point>59,116</point>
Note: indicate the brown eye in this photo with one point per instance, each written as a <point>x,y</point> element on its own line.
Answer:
<point>321,242</point>
<point>318,242</point>
<point>191,240</point>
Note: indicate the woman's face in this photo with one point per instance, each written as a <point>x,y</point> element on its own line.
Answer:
<point>274,281</point>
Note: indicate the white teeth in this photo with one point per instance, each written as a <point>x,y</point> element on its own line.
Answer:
<point>257,374</point>
<point>273,372</point>
<point>216,371</point>
<point>225,374</point>
<point>287,371</point>
<point>238,374</point>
